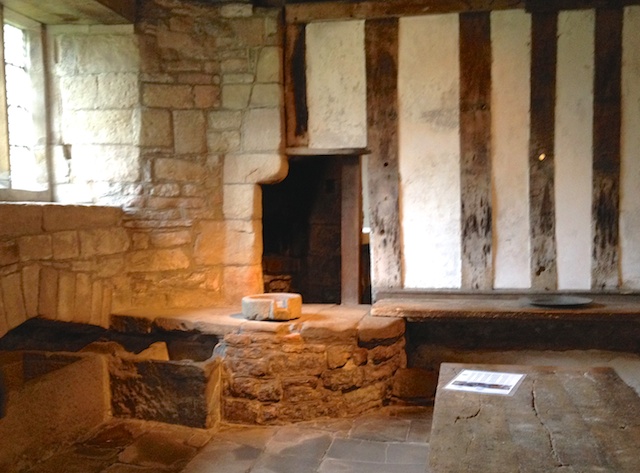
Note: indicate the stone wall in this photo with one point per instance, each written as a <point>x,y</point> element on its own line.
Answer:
<point>324,368</point>
<point>96,113</point>
<point>210,131</point>
<point>59,262</point>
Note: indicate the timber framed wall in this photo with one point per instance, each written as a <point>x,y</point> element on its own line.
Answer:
<point>504,138</point>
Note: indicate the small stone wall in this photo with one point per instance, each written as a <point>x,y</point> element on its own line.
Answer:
<point>334,361</point>
<point>58,262</point>
<point>324,367</point>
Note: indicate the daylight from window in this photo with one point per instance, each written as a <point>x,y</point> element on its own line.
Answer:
<point>22,160</point>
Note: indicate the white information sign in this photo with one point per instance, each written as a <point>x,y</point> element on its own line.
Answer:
<point>486,382</point>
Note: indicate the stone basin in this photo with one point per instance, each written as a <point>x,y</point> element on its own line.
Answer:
<point>276,306</point>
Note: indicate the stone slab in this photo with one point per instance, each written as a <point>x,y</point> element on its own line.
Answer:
<point>488,307</point>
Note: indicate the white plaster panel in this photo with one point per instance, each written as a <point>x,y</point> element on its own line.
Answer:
<point>511,50</point>
<point>429,86</point>
<point>336,84</point>
<point>630,159</point>
<point>573,147</point>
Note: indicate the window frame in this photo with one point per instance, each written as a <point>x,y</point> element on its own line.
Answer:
<point>37,72</point>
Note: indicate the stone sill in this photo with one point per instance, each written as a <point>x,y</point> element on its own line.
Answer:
<point>318,322</point>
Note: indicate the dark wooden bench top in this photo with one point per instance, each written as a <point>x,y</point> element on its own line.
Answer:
<point>567,420</point>
<point>488,307</point>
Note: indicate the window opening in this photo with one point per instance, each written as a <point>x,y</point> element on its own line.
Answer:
<point>26,168</point>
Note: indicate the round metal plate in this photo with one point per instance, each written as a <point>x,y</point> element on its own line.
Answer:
<point>559,301</point>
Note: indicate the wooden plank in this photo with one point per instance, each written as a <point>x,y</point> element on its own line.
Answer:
<point>536,6</point>
<point>381,50</point>
<point>557,419</point>
<point>475,150</point>
<point>81,12</point>
<point>295,86</point>
<point>541,147</point>
<point>350,230</point>
<point>606,148</point>
<point>375,10</point>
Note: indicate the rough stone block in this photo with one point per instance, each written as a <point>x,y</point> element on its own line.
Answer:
<point>66,296</point>
<point>20,219</point>
<point>206,96</point>
<point>266,95</point>
<point>99,54</point>
<point>118,90</point>
<point>242,202</point>
<point>210,243</point>
<point>222,120</point>
<point>236,10</point>
<point>71,217</point>
<point>343,379</point>
<point>252,388</point>
<point>178,170</point>
<point>415,383</point>
<point>65,245</point>
<point>12,294</point>
<point>167,96</point>
<point>254,168</point>
<point>243,244</point>
<point>223,142</point>
<point>238,281</point>
<point>175,393</point>
<point>95,163</point>
<point>371,329</point>
<point>83,298</point>
<point>189,131</point>
<point>35,247</point>
<point>31,289</point>
<point>48,295</point>
<point>236,96</point>
<point>155,128</point>
<point>169,239</point>
<point>261,130</point>
<point>9,252</point>
<point>238,78</point>
<point>78,92</point>
<point>157,260</point>
<point>101,242</point>
<point>269,68</point>
<point>272,306</point>
<point>301,364</point>
<point>100,126</point>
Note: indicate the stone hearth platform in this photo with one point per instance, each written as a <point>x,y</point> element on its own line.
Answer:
<point>334,361</point>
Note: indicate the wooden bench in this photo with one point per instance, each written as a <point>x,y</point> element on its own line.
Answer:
<point>556,420</point>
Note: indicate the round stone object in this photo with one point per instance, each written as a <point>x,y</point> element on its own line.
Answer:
<point>274,306</point>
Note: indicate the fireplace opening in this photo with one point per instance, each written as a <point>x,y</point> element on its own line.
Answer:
<point>301,230</point>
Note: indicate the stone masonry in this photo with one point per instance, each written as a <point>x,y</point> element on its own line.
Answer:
<point>59,262</point>
<point>289,372</point>
<point>177,120</point>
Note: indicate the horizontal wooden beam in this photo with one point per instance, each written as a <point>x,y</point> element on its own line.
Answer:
<point>374,10</point>
<point>557,5</point>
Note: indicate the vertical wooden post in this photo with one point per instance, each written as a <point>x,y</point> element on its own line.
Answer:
<point>606,148</point>
<point>381,50</point>
<point>541,148</point>
<point>295,85</point>
<point>475,154</point>
<point>351,230</point>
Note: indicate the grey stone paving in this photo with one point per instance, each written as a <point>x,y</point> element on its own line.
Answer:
<point>392,439</point>
<point>389,440</point>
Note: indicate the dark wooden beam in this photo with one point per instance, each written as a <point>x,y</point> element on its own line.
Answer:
<point>606,148</point>
<point>541,149</point>
<point>381,52</point>
<point>351,230</point>
<point>375,10</point>
<point>475,145</point>
<point>295,86</point>
<point>557,5</point>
